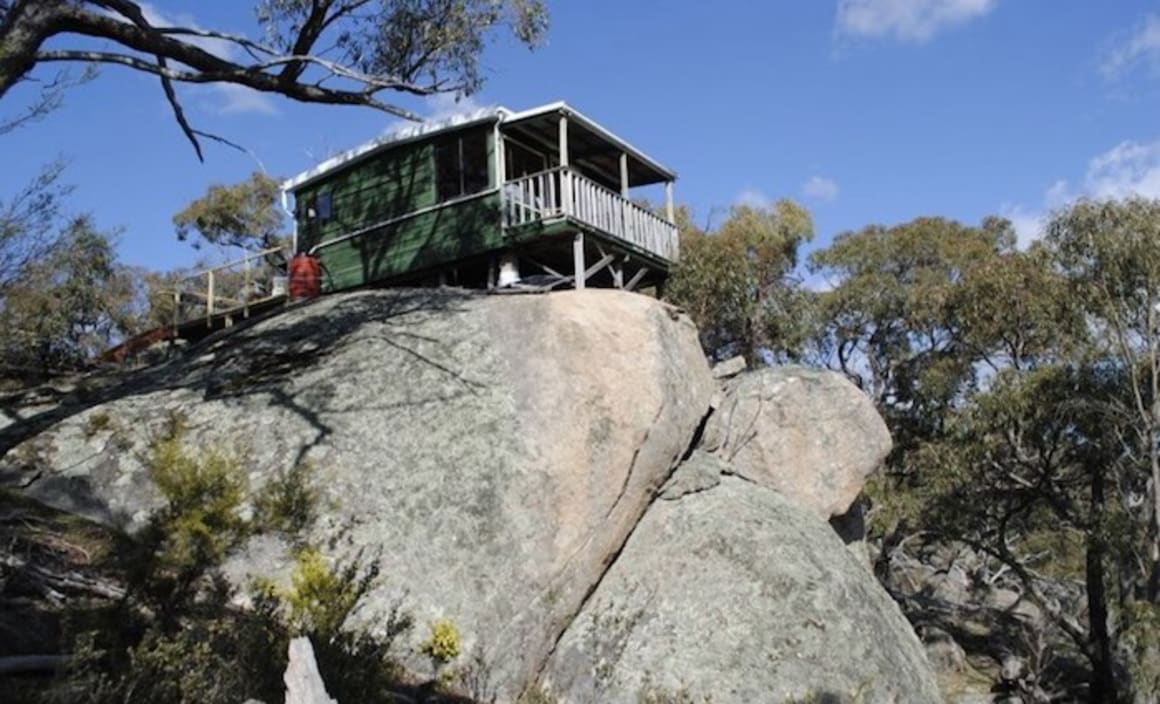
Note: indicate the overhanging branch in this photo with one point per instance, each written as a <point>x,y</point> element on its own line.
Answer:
<point>247,77</point>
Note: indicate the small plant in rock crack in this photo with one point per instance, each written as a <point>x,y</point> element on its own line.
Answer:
<point>442,646</point>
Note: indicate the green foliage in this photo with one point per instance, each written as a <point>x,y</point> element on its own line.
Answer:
<point>736,282</point>
<point>413,41</point>
<point>246,215</point>
<point>1140,642</point>
<point>320,599</point>
<point>67,304</point>
<point>98,422</point>
<point>178,636</point>
<point>537,695</point>
<point>357,665</point>
<point>1020,387</point>
<point>893,321</point>
<point>288,504</point>
<point>202,520</point>
<point>218,654</point>
<point>372,48</point>
<point>443,645</point>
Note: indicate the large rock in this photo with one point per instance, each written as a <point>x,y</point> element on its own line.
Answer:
<point>809,434</point>
<point>728,593</point>
<point>495,451</point>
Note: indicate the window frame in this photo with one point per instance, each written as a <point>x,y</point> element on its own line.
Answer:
<point>455,144</point>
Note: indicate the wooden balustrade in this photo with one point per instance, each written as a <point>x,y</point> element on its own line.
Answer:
<point>561,192</point>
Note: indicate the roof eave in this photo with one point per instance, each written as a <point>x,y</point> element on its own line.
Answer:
<point>590,124</point>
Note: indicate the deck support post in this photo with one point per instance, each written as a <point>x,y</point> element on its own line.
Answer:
<point>617,275</point>
<point>631,285</point>
<point>565,182</point>
<point>669,214</point>
<point>624,175</point>
<point>578,271</point>
<point>500,164</point>
<point>563,139</point>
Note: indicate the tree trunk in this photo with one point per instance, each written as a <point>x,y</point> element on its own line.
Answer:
<point>1154,518</point>
<point>23,29</point>
<point>1103,680</point>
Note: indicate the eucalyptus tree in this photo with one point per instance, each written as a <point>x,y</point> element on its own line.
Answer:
<point>738,281</point>
<point>893,319</point>
<point>245,215</point>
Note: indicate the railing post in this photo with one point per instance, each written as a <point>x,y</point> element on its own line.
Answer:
<point>246,289</point>
<point>565,174</point>
<point>624,194</point>
<point>176,307</point>
<point>209,298</point>
<point>567,207</point>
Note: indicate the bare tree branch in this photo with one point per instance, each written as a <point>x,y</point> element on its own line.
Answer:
<point>417,48</point>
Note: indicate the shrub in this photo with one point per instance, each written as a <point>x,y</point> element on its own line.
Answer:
<point>443,645</point>
<point>320,599</point>
<point>202,520</point>
<point>288,504</point>
<point>98,422</point>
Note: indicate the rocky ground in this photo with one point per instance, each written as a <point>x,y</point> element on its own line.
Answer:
<point>561,476</point>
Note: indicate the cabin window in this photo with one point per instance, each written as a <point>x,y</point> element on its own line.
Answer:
<point>461,165</point>
<point>324,207</point>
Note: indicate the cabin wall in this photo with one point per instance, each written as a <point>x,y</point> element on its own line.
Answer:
<point>440,236</point>
<point>392,185</point>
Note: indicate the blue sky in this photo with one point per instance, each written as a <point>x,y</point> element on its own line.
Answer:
<point>866,111</point>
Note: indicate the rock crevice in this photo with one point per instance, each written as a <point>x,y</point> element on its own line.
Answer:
<point>529,467</point>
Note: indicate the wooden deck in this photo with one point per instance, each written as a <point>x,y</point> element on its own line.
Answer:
<point>563,193</point>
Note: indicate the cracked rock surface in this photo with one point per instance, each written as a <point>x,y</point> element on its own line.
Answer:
<point>808,434</point>
<point>494,452</point>
<point>515,464</point>
<point>729,593</point>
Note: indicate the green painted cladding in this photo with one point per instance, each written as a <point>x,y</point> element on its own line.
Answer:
<point>439,236</point>
<point>387,186</point>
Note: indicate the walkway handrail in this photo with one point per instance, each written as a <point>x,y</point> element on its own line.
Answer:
<point>227,288</point>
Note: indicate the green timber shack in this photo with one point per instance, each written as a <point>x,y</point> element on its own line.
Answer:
<point>542,198</point>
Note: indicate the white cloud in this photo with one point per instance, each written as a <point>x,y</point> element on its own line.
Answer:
<point>231,99</point>
<point>1138,47</point>
<point>752,198</point>
<point>437,108</point>
<point>820,188</point>
<point>1127,169</point>
<point>444,106</point>
<point>222,98</point>
<point>1028,224</point>
<point>218,47</point>
<point>819,282</point>
<point>907,20</point>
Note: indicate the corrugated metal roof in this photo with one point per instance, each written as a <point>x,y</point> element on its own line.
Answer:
<point>410,133</point>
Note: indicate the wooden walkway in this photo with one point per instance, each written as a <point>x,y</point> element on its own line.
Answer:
<point>214,299</point>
